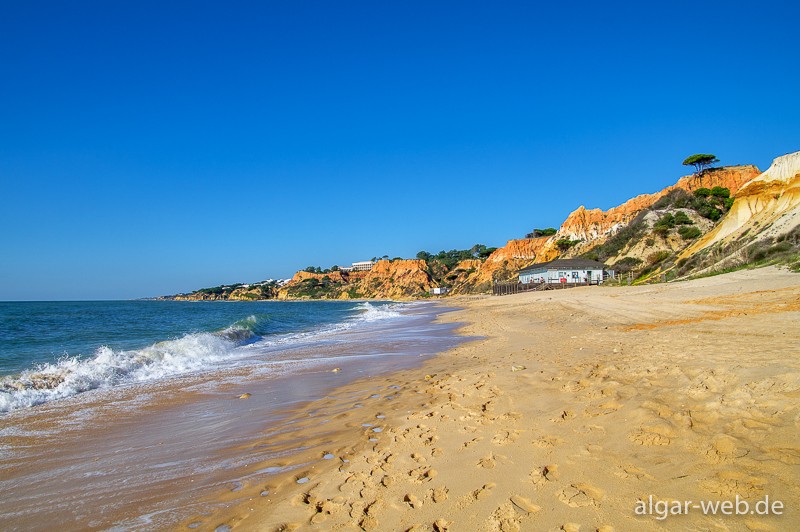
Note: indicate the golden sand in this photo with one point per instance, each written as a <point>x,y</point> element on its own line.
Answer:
<point>574,407</point>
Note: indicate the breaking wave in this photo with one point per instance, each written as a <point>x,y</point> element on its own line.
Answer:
<point>107,367</point>
<point>371,312</point>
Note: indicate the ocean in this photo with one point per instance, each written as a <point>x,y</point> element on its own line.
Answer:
<point>54,350</point>
<point>129,399</point>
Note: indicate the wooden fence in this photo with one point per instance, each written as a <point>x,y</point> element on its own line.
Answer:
<point>502,289</point>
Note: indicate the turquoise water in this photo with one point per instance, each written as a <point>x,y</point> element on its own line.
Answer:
<point>53,350</point>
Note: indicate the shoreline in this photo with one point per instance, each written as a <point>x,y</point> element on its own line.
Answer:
<point>574,406</point>
<point>143,455</point>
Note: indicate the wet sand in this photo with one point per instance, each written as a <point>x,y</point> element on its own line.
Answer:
<point>575,407</point>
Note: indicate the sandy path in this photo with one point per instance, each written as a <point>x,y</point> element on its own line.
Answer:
<point>578,404</point>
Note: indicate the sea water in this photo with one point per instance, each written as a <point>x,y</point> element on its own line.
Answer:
<point>54,350</point>
<point>125,415</point>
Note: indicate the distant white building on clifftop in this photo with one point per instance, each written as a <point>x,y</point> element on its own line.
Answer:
<point>362,266</point>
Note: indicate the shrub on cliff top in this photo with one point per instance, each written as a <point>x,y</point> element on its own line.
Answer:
<point>700,161</point>
<point>536,233</point>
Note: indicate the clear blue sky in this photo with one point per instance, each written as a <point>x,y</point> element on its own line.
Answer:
<point>156,147</point>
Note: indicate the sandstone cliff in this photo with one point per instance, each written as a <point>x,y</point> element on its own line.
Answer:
<point>336,276</point>
<point>765,207</point>
<point>230,293</point>
<point>397,279</point>
<point>504,262</point>
<point>590,224</point>
<point>591,227</point>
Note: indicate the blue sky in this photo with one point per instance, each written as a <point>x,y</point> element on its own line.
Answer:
<point>156,147</point>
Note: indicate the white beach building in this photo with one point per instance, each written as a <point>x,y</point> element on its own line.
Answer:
<point>563,271</point>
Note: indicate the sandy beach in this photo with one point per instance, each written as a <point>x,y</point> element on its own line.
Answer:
<point>596,408</point>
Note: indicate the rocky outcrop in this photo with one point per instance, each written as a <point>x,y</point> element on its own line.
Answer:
<point>336,276</point>
<point>765,207</point>
<point>504,262</point>
<point>242,293</point>
<point>591,227</point>
<point>591,224</point>
<point>396,279</point>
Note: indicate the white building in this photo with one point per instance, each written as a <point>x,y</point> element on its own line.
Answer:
<point>363,266</point>
<point>439,291</point>
<point>563,271</point>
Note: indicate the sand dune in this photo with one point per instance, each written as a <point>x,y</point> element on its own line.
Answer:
<point>575,406</point>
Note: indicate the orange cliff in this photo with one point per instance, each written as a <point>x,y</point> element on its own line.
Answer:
<point>503,263</point>
<point>401,279</point>
<point>591,226</point>
<point>397,279</point>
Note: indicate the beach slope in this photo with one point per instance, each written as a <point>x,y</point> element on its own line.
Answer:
<point>593,408</point>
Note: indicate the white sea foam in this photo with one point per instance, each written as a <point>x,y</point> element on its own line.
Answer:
<point>375,313</point>
<point>109,367</point>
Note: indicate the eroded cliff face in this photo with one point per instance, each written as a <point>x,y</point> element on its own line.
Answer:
<point>504,262</point>
<point>336,276</point>
<point>766,206</point>
<point>398,279</point>
<point>252,293</point>
<point>591,224</point>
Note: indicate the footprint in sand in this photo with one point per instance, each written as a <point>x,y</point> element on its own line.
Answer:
<point>653,435</point>
<point>439,494</point>
<point>603,409</point>
<point>724,448</point>
<point>488,461</point>
<point>629,471</point>
<point>579,495</point>
<point>510,416</point>
<point>524,504</point>
<point>370,520</point>
<point>546,442</point>
<point>484,492</point>
<point>504,519</point>
<point>441,525</point>
<point>412,500</point>
<point>544,474</point>
<point>730,483</point>
<point>506,437</point>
